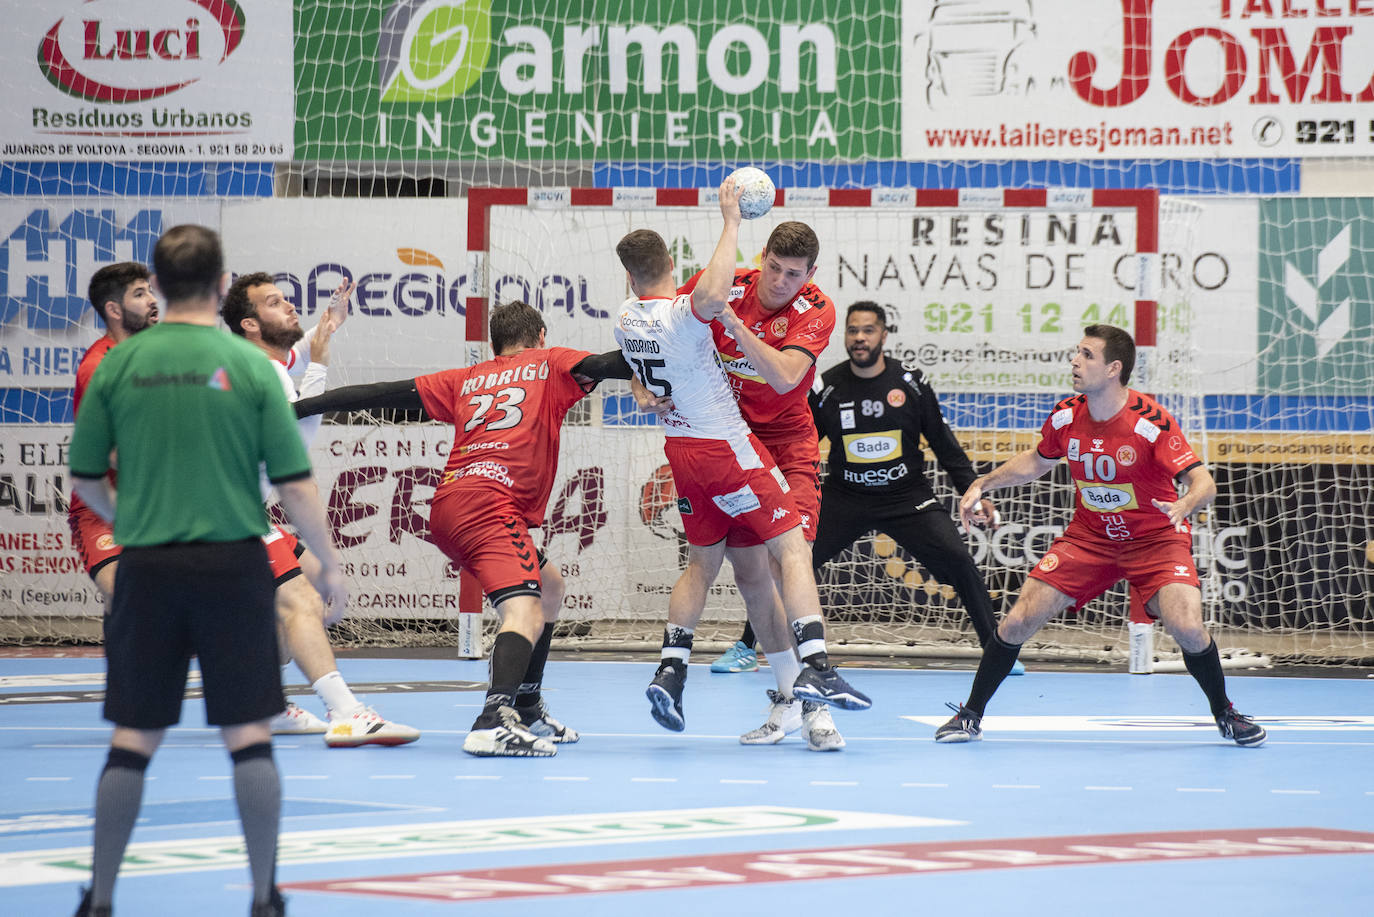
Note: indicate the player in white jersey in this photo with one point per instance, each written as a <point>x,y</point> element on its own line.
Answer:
<point>255,309</point>
<point>725,478</point>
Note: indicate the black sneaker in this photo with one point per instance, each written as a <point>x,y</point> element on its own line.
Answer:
<point>964,726</point>
<point>825,686</point>
<point>1236,726</point>
<point>498,733</point>
<point>274,906</point>
<point>665,695</point>
<point>536,718</point>
<point>85,909</point>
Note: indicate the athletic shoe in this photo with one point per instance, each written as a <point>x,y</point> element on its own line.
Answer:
<point>84,909</point>
<point>366,728</point>
<point>297,721</point>
<point>738,658</point>
<point>827,687</point>
<point>274,906</point>
<point>784,718</point>
<point>1017,668</point>
<point>964,726</point>
<point>665,695</point>
<point>1235,725</point>
<point>507,739</point>
<point>819,728</point>
<point>537,719</point>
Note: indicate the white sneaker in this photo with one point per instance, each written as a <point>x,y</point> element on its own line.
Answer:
<point>821,734</point>
<point>297,721</point>
<point>508,739</point>
<point>784,717</point>
<point>365,727</point>
<point>537,719</point>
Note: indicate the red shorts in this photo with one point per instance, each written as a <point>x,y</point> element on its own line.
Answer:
<point>283,553</point>
<point>1083,568</point>
<point>799,461</point>
<point>485,535</point>
<point>93,538</point>
<point>718,497</point>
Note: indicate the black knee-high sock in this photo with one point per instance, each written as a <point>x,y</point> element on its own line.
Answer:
<point>510,657</point>
<point>677,644</point>
<point>993,668</point>
<point>118,798</point>
<point>257,790</point>
<point>527,695</point>
<point>1205,667</point>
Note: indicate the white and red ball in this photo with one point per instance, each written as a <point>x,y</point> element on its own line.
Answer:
<point>756,192</point>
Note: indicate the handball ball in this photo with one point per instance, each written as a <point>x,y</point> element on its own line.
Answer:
<point>756,192</point>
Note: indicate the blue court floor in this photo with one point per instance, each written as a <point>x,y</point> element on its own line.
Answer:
<point>1091,793</point>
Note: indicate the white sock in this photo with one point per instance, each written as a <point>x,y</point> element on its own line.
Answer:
<point>337,696</point>
<point>786,667</point>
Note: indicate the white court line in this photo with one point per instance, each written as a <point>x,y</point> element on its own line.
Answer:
<point>48,779</point>
<point>741,780</point>
<point>1297,792</point>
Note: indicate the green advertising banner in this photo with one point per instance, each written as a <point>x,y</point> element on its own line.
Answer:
<point>594,80</point>
<point>1316,296</point>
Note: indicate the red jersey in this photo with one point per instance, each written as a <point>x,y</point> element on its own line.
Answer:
<point>507,413</point>
<point>1119,465</point>
<point>804,325</point>
<point>84,371</point>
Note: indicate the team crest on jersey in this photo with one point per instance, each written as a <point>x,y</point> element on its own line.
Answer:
<point>1126,455</point>
<point>684,506</point>
<point>1048,562</point>
<point>896,397</point>
<point>1074,449</point>
<point>779,326</point>
<point>105,542</point>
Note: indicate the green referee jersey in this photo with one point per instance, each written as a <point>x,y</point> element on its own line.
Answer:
<point>191,411</point>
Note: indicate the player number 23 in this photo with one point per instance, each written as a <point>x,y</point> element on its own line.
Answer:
<point>506,400</point>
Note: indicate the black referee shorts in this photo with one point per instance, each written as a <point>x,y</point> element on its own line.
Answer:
<point>211,600</point>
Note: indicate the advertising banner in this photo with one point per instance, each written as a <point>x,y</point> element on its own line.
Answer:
<point>131,80</point>
<point>407,257</point>
<point>446,79</point>
<point>48,252</point>
<point>1170,79</point>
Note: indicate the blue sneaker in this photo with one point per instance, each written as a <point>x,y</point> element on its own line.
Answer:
<point>827,687</point>
<point>1017,668</point>
<point>738,658</point>
<point>665,695</point>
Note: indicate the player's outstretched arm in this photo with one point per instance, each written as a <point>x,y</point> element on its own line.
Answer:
<point>1020,468</point>
<point>401,395</point>
<point>608,365</point>
<point>713,284</point>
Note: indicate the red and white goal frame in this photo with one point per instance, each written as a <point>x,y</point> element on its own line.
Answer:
<point>1144,203</point>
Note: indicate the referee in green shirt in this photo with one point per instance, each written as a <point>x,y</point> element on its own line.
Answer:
<point>191,413</point>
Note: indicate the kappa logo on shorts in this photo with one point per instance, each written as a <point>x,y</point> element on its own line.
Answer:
<point>684,506</point>
<point>779,513</point>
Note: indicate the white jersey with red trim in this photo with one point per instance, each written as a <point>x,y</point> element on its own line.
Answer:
<point>673,353</point>
<point>309,426</point>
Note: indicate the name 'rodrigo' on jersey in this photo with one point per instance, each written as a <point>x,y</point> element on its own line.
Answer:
<point>1119,465</point>
<point>673,353</point>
